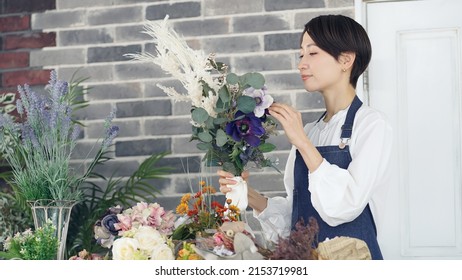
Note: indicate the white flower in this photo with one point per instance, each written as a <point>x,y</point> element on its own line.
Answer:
<point>262,99</point>
<point>162,252</point>
<point>125,249</point>
<point>148,238</point>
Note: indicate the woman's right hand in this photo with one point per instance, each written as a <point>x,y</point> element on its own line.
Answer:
<point>226,179</point>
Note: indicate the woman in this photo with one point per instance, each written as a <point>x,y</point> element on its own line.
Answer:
<point>337,168</point>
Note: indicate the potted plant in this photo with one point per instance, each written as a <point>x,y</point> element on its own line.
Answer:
<point>42,144</point>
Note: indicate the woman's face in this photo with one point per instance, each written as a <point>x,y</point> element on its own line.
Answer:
<point>318,69</point>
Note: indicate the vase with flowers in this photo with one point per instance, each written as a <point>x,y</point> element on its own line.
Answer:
<point>43,140</point>
<point>230,120</point>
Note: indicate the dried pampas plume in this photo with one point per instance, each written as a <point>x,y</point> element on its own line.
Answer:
<point>192,68</point>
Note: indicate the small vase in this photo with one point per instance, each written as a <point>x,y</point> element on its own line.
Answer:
<point>59,212</point>
<point>238,193</point>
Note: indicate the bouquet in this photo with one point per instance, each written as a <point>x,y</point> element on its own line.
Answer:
<point>202,214</point>
<point>138,233</point>
<point>229,112</point>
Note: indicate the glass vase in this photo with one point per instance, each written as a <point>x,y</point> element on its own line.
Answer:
<point>58,212</point>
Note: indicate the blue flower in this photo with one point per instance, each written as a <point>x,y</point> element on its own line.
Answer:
<point>246,127</point>
<point>109,223</point>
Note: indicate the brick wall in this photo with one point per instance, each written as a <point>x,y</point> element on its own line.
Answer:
<point>18,39</point>
<point>258,35</point>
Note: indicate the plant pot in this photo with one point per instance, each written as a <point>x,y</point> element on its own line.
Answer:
<point>58,211</point>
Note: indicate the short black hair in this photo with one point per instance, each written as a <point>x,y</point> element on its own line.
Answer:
<point>336,34</point>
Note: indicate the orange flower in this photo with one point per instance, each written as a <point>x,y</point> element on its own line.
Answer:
<point>209,189</point>
<point>234,209</point>
<point>186,198</point>
<point>195,257</point>
<point>216,204</point>
<point>182,208</point>
<point>202,183</point>
<point>192,212</point>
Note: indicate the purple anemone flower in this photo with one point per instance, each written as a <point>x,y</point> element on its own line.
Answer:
<point>246,127</point>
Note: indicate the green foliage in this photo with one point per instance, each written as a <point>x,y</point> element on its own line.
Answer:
<point>7,106</point>
<point>233,155</point>
<point>96,200</point>
<point>7,103</point>
<point>39,245</point>
<point>44,141</point>
<point>12,218</point>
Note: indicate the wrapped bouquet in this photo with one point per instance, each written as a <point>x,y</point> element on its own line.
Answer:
<point>229,117</point>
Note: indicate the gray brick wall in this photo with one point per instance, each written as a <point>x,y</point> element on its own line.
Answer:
<point>257,35</point>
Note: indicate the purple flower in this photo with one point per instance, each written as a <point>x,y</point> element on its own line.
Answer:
<point>111,133</point>
<point>109,222</point>
<point>246,155</point>
<point>263,100</point>
<point>246,127</point>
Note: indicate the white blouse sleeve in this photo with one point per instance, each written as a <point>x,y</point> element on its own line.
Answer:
<point>276,218</point>
<point>340,195</point>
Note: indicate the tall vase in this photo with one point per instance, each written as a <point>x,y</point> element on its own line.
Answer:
<point>59,212</point>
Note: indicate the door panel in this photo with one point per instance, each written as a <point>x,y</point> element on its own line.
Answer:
<point>415,78</point>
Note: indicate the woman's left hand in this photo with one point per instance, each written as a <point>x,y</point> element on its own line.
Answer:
<point>291,121</point>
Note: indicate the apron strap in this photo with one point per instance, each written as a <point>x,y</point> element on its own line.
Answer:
<point>347,127</point>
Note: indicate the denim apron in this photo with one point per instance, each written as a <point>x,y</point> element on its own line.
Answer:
<point>363,227</point>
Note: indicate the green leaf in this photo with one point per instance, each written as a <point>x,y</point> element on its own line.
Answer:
<point>222,138</point>
<point>205,137</point>
<point>232,79</point>
<point>255,80</point>
<point>204,146</point>
<point>219,121</point>
<point>209,123</point>
<point>229,167</point>
<point>199,115</point>
<point>224,95</point>
<point>266,147</point>
<point>246,104</point>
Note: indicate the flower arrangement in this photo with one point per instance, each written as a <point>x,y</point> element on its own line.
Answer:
<point>28,245</point>
<point>201,212</point>
<point>43,144</point>
<point>138,233</point>
<point>229,116</point>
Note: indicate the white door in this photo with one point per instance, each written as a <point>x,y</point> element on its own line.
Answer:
<point>415,78</point>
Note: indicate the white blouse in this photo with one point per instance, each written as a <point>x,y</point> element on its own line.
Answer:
<point>339,195</point>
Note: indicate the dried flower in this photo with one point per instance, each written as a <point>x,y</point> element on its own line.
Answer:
<point>300,245</point>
